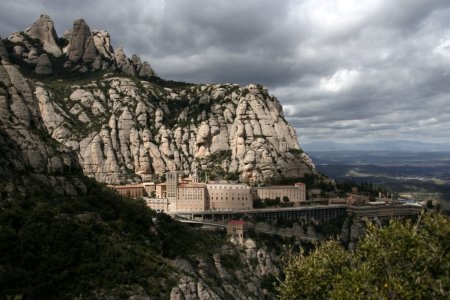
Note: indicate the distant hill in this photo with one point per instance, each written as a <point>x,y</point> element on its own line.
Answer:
<point>394,145</point>
<point>424,175</point>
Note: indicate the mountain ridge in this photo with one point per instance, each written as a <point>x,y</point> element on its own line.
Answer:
<point>60,229</point>
<point>123,123</point>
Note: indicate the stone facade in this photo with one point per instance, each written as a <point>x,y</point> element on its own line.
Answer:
<point>295,193</point>
<point>354,198</point>
<point>161,190</point>
<point>191,197</point>
<point>225,196</point>
<point>150,188</point>
<point>186,195</point>
<point>236,230</point>
<point>158,204</point>
<point>172,189</point>
<point>130,190</point>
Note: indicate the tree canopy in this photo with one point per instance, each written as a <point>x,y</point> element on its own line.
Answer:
<point>404,260</point>
<point>54,246</point>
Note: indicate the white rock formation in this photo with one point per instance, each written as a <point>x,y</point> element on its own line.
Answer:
<point>240,132</point>
<point>24,139</point>
<point>102,42</point>
<point>126,127</point>
<point>44,30</point>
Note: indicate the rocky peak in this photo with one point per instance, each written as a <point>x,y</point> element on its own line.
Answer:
<point>146,71</point>
<point>122,127</point>
<point>44,30</point>
<point>102,42</point>
<point>123,63</point>
<point>82,45</point>
<point>82,50</point>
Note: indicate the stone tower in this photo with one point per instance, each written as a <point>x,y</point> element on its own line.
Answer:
<point>172,189</point>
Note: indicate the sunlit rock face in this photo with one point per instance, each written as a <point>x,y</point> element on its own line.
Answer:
<point>124,122</point>
<point>135,127</point>
<point>44,30</point>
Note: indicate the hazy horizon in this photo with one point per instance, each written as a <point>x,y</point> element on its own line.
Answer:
<point>386,146</point>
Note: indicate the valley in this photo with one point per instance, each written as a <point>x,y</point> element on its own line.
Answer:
<point>420,175</point>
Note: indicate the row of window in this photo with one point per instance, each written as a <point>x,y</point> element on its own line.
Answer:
<point>182,192</point>
<point>190,199</point>
<point>226,187</point>
<point>226,198</point>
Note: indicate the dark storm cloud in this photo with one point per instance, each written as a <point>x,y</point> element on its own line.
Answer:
<point>344,70</point>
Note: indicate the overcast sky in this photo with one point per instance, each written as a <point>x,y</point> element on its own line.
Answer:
<point>345,71</point>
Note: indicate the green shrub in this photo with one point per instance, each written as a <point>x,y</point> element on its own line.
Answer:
<point>404,260</point>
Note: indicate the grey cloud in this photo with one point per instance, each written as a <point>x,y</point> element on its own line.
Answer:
<point>366,71</point>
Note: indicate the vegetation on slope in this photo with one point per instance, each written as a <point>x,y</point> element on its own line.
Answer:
<point>404,260</point>
<point>59,247</point>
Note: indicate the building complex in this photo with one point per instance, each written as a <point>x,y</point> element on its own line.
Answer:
<point>176,195</point>
<point>220,201</point>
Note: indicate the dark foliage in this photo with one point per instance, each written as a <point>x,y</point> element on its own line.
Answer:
<point>98,241</point>
<point>405,260</point>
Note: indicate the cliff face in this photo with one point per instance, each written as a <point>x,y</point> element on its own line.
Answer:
<point>27,148</point>
<point>124,122</point>
<point>135,127</point>
<point>232,272</point>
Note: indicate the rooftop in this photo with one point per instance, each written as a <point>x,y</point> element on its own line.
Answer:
<point>126,186</point>
<point>276,187</point>
<point>192,185</point>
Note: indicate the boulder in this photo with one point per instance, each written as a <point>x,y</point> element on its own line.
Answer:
<point>16,37</point>
<point>18,51</point>
<point>44,65</point>
<point>146,70</point>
